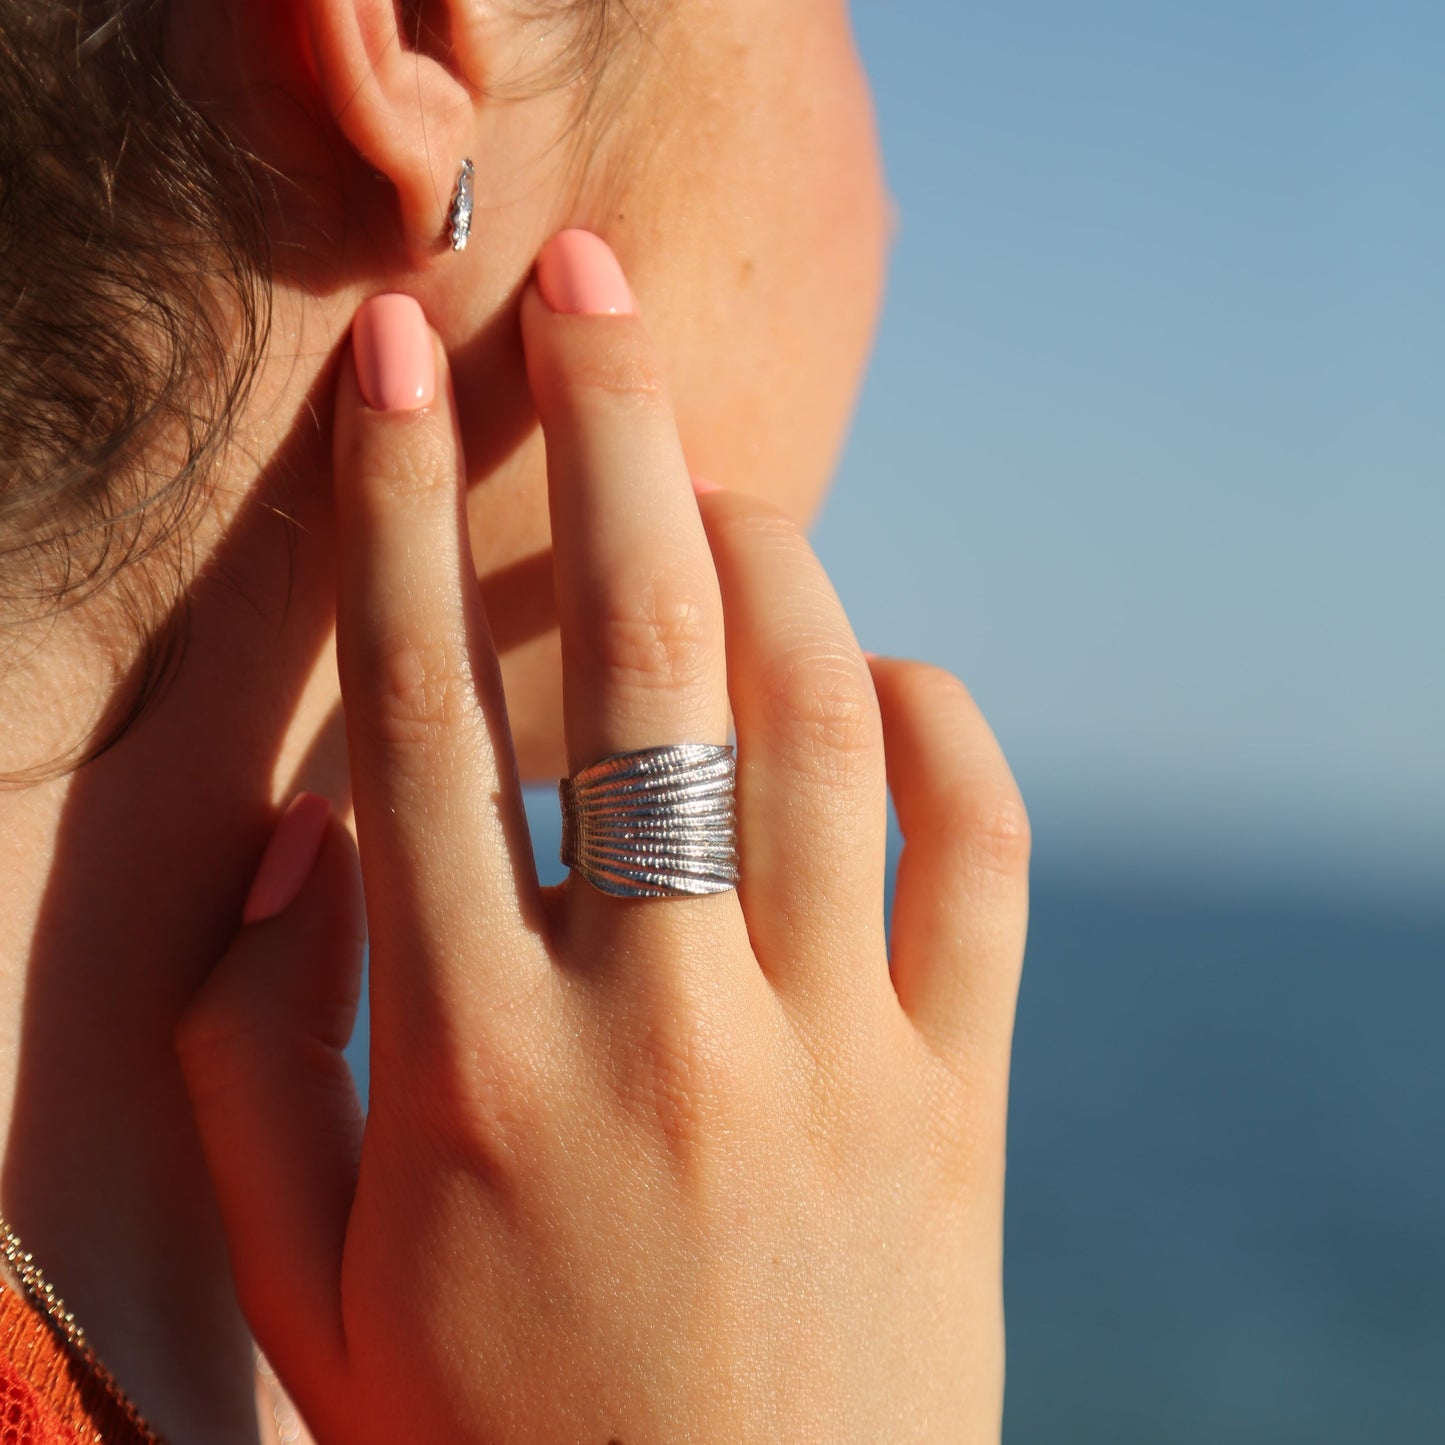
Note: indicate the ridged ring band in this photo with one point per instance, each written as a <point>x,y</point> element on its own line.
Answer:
<point>655,823</point>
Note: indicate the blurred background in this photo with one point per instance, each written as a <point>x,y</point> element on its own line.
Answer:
<point>1150,455</point>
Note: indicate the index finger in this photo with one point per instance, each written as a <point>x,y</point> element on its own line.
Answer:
<point>445,853</point>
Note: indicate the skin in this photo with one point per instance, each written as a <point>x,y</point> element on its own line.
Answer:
<point>740,187</point>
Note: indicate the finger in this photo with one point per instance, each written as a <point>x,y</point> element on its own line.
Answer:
<point>261,1050</point>
<point>637,597</point>
<point>439,816</point>
<point>812,805</point>
<point>960,908</point>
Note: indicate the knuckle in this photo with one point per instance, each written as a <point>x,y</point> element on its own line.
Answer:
<point>933,691</point>
<point>410,474</point>
<point>671,1088</point>
<point>420,690</point>
<point>675,1077</point>
<point>404,464</point>
<point>202,1030</point>
<point>217,1050</point>
<point>1006,827</point>
<point>757,526</point>
<point>660,635</point>
<point>822,702</point>
<point>991,826</point>
<point>982,815</point>
<point>476,1108</point>
<point>623,373</point>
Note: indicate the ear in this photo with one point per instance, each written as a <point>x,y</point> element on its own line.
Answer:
<point>405,101</point>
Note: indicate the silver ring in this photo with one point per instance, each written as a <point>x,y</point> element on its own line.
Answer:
<point>655,823</point>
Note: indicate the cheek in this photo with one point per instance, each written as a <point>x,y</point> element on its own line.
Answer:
<point>769,334</point>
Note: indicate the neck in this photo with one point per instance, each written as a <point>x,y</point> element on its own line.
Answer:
<point>123,884</point>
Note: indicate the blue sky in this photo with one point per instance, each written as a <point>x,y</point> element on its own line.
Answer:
<point>1151,449</point>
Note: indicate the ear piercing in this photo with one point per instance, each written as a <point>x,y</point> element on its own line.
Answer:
<point>459,218</point>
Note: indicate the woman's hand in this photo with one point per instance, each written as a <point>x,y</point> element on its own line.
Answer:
<point>658,1170</point>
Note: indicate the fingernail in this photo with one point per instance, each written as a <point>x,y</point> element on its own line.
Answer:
<point>392,344</point>
<point>578,274</point>
<point>289,857</point>
<point>702,486</point>
<point>871,656</point>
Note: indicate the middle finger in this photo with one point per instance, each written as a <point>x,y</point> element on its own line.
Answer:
<point>640,614</point>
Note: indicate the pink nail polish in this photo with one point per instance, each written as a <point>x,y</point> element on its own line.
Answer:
<point>702,486</point>
<point>578,274</point>
<point>392,344</point>
<point>289,857</point>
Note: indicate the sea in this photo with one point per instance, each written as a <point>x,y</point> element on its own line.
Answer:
<point>1225,1218</point>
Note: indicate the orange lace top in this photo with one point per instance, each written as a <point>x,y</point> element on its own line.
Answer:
<point>47,1396</point>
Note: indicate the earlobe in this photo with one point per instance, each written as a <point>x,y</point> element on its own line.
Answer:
<point>405,112</point>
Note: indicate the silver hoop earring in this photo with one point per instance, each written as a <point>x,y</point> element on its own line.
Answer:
<point>459,218</point>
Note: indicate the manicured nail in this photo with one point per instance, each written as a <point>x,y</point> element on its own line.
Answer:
<point>702,486</point>
<point>392,344</point>
<point>289,857</point>
<point>578,274</point>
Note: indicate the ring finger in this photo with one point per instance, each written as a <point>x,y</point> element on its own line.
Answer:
<point>643,661</point>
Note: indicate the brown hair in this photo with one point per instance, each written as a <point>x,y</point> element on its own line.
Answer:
<point>134,308</point>
<point>135,282</point>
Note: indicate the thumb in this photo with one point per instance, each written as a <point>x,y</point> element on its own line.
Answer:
<point>280,1123</point>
